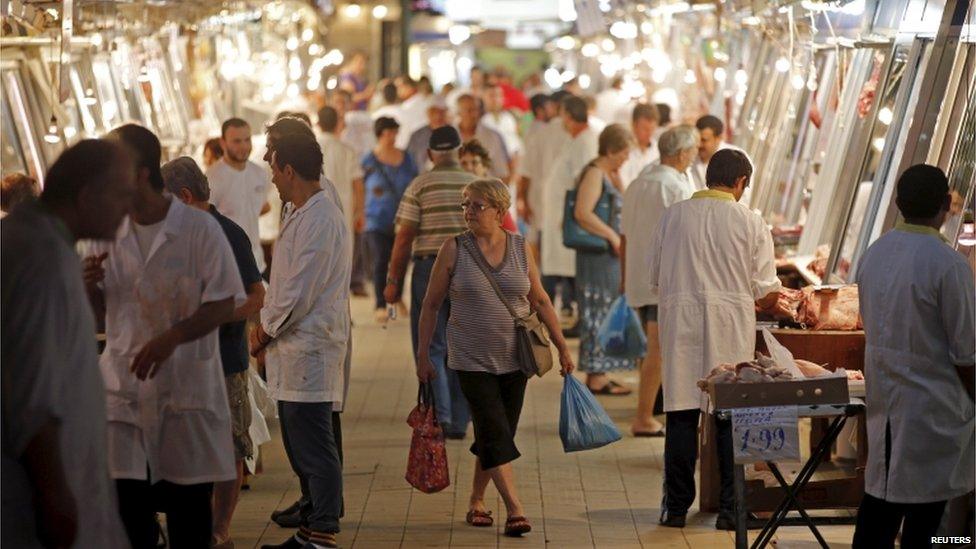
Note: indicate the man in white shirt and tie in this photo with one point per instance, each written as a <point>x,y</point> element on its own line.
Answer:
<point>305,328</point>
<point>238,187</point>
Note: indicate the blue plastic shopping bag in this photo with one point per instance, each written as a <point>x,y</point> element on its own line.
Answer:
<point>583,423</point>
<point>621,334</point>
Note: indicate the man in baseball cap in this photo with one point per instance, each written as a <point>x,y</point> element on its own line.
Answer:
<point>429,214</point>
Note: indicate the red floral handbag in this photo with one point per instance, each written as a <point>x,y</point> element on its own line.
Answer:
<point>427,468</point>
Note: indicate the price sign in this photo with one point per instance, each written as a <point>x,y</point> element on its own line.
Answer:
<point>765,434</point>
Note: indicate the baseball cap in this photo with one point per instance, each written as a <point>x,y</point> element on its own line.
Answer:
<point>445,138</point>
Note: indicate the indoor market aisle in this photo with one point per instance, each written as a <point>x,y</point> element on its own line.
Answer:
<point>608,497</point>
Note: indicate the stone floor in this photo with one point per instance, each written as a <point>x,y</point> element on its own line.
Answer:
<point>606,498</point>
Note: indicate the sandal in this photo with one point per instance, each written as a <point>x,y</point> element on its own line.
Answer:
<point>480,519</point>
<point>516,526</point>
<point>609,389</point>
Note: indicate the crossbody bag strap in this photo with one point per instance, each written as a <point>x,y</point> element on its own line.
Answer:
<point>479,260</point>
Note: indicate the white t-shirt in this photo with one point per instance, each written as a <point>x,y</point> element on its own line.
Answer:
<point>50,371</point>
<point>145,236</point>
<point>240,195</point>
<point>413,116</point>
<point>637,161</point>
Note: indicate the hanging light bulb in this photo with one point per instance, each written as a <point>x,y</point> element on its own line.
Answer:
<point>885,116</point>
<point>783,64</point>
<point>89,98</point>
<point>798,82</point>
<point>720,74</point>
<point>307,35</point>
<point>690,77</point>
<point>741,77</point>
<point>52,136</point>
<point>352,11</point>
<point>143,75</point>
<point>380,11</point>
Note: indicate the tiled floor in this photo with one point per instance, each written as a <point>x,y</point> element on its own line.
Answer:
<point>608,497</point>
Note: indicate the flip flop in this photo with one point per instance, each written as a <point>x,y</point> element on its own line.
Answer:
<point>608,389</point>
<point>516,526</point>
<point>479,519</point>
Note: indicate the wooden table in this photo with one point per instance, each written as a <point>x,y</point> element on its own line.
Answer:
<point>837,349</point>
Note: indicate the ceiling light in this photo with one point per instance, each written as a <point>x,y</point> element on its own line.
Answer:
<point>352,11</point>
<point>458,34</point>
<point>566,42</point>
<point>590,50</point>
<point>719,74</point>
<point>380,11</point>
<point>584,81</point>
<point>885,116</point>
<point>608,45</point>
<point>783,64</point>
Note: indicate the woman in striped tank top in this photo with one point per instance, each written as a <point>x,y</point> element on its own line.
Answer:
<point>481,338</point>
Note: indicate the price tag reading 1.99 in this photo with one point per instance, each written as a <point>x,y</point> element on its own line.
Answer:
<point>765,434</point>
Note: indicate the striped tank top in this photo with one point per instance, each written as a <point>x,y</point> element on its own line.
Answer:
<point>480,330</point>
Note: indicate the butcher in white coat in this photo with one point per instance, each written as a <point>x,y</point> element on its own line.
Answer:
<point>917,302</point>
<point>168,281</point>
<point>711,261</point>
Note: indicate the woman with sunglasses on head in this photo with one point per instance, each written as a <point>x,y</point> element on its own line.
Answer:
<point>476,159</point>
<point>482,341</point>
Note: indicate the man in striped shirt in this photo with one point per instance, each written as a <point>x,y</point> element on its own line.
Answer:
<point>430,213</point>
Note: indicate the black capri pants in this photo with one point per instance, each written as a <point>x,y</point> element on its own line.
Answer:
<point>496,403</point>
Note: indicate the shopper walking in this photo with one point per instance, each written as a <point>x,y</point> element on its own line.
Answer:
<point>186,182</point>
<point>388,171</point>
<point>711,262</point>
<point>916,297</point>
<point>471,127</point>
<point>437,117</point>
<point>481,337</point>
<point>428,215</point>
<point>341,166</point>
<point>579,147</point>
<point>598,273</point>
<point>164,286</point>
<point>305,329</point>
<point>648,196</point>
<point>238,187</point>
<point>56,486</point>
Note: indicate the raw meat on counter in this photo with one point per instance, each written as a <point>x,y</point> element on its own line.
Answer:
<point>830,308</point>
<point>761,370</point>
<point>765,370</point>
<point>819,264</point>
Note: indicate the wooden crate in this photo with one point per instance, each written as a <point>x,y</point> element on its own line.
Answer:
<point>836,349</point>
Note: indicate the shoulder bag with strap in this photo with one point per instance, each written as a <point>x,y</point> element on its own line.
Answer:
<point>574,235</point>
<point>532,343</point>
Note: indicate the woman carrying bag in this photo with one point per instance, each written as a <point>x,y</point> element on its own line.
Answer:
<point>482,338</point>
<point>597,247</point>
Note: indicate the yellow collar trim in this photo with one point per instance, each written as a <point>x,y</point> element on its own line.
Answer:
<point>712,193</point>
<point>919,229</point>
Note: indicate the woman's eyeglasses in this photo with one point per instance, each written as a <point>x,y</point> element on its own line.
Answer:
<point>478,206</point>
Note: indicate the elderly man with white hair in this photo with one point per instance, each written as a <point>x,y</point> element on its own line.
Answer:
<point>183,178</point>
<point>657,187</point>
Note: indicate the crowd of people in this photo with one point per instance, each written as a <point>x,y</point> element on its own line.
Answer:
<point>470,191</point>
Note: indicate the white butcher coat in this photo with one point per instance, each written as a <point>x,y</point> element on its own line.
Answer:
<point>558,260</point>
<point>179,421</point>
<point>306,310</point>
<point>916,297</point>
<point>712,258</point>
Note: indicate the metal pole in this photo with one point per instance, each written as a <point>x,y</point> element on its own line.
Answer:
<point>405,15</point>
